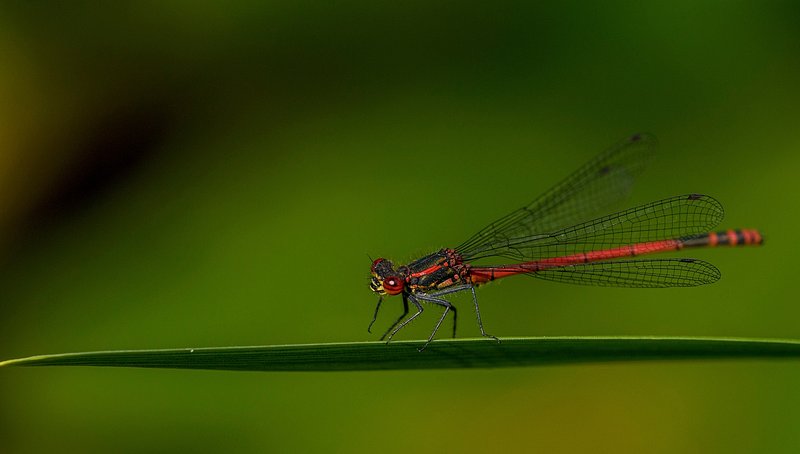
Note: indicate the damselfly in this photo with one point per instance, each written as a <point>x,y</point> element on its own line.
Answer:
<point>558,237</point>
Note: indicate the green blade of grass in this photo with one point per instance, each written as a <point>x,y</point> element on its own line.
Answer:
<point>462,353</point>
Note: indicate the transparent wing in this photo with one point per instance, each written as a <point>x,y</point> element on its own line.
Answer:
<point>677,217</point>
<point>656,273</point>
<point>592,190</point>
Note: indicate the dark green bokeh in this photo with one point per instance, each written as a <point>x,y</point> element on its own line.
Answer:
<point>289,142</point>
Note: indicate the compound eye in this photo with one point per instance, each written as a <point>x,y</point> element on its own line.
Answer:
<point>393,285</point>
<point>375,263</point>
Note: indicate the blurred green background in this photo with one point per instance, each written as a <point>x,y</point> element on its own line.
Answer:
<point>185,173</point>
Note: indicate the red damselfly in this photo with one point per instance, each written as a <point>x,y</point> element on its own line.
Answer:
<point>559,237</point>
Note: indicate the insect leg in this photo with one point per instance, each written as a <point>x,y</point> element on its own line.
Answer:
<point>405,312</point>
<point>448,306</point>
<point>375,317</point>
<point>478,313</point>
<point>409,320</point>
<point>455,319</point>
<point>459,288</point>
<point>452,289</point>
